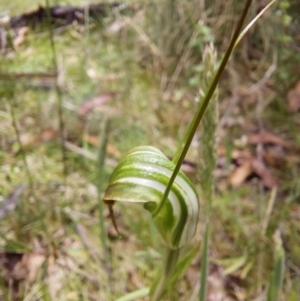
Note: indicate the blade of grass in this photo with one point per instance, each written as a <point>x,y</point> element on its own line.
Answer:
<point>135,295</point>
<point>276,280</point>
<point>103,138</point>
<point>183,264</point>
<point>204,264</point>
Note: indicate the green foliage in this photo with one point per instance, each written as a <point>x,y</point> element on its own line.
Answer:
<point>183,264</point>
<point>276,281</point>
<point>152,106</point>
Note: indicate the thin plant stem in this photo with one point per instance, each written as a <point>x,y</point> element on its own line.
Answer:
<point>58,93</point>
<point>100,166</point>
<point>103,136</point>
<point>205,261</point>
<point>245,30</point>
<point>170,261</point>
<point>185,144</point>
<point>269,210</point>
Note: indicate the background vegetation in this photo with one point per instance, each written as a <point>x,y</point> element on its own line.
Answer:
<point>139,67</point>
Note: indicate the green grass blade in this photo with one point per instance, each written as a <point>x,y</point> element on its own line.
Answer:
<point>276,280</point>
<point>135,295</point>
<point>183,265</point>
<point>204,265</point>
<point>103,137</point>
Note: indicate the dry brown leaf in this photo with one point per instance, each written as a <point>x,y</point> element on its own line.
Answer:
<point>192,276</point>
<point>29,140</point>
<point>115,27</point>
<point>91,139</point>
<point>267,138</point>
<point>252,167</point>
<point>189,168</point>
<point>134,280</point>
<point>33,262</point>
<point>240,157</point>
<point>240,174</point>
<point>295,211</point>
<point>98,101</point>
<point>216,287</point>
<point>275,157</point>
<point>293,98</point>
<point>20,36</point>
<point>112,150</point>
<point>56,276</point>
<point>235,285</point>
<point>94,140</point>
<point>48,134</point>
<point>21,267</point>
<point>11,266</point>
<point>260,169</point>
<point>221,151</point>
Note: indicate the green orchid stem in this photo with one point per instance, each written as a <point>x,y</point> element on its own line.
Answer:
<point>185,144</point>
<point>170,261</point>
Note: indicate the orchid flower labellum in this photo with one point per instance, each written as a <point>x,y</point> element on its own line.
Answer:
<point>142,177</point>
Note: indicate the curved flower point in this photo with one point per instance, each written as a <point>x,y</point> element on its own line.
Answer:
<point>142,177</point>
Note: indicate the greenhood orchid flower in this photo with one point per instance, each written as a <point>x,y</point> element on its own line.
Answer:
<point>142,177</point>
